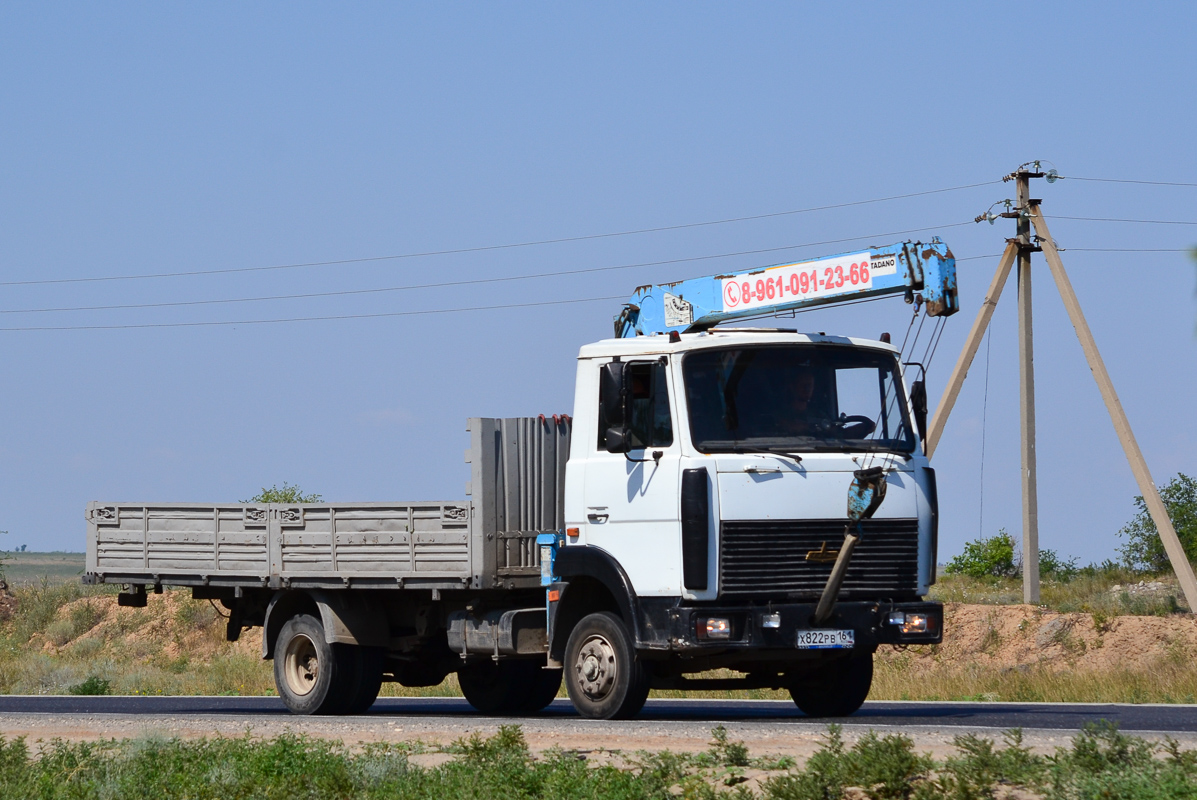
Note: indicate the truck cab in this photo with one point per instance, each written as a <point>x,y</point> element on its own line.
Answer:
<point>705,502</point>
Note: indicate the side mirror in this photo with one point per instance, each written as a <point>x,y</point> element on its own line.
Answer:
<point>615,405</point>
<point>618,439</point>
<point>918,405</point>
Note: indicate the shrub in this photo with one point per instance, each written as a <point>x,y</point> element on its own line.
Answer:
<point>1143,549</point>
<point>994,557</point>
<point>94,685</point>
<point>1052,565</point>
<point>984,557</point>
<point>283,494</point>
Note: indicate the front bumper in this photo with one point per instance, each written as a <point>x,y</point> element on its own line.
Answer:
<point>869,622</point>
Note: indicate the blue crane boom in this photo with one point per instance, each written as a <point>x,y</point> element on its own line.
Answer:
<point>927,270</point>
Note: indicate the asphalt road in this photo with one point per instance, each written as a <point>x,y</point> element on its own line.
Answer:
<point>1001,716</point>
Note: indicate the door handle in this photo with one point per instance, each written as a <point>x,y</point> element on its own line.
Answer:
<point>597,518</point>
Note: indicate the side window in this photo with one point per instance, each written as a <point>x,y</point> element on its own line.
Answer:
<point>652,425</point>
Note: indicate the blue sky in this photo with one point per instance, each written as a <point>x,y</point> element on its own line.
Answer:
<point>143,139</point>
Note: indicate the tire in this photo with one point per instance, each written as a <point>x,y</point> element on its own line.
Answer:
<point>543,685</point>
<point>420,673</point>
<point>508,687</point>
<point>367,679</point>
<point>602,674</point>
<point>837,689</point>
<point>312,676</point>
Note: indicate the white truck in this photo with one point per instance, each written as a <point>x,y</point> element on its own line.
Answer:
<point>696,521</point>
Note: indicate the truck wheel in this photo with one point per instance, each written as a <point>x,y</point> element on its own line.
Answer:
<point>311,674</point>
<point>508,687</point>
<point>837,689</point>
<point>602,675</point>
<point>367,679</point>
<point>542,687</point>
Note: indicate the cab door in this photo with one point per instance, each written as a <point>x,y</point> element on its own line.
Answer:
<point>632,501</point>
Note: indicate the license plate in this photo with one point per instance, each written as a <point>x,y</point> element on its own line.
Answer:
<point>825,640</point>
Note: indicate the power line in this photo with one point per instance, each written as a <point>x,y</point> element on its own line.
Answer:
<point>1117,180</point>
<point>485,248</point>
<point>445,284</point>
<point>1144,221</point>
<point>1093,250</point>
<point>1126,249</point>
<point>311,319</point>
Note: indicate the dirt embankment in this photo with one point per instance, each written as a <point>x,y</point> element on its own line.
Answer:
<point>172,625</point>
<point>177,646</point>
<point>1001,637</point>
<point>1025,637</point>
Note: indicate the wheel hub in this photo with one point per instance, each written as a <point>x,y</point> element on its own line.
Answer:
<point>596,667</point>
<point>301,665</point>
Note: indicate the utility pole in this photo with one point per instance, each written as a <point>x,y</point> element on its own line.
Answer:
<point>1027,212</point>
<point>1026,405</point>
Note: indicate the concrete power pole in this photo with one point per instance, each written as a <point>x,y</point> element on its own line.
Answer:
<point>1026,405</point>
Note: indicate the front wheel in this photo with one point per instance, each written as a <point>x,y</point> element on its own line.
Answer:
<point>836,689</point>
<point>602,675</point>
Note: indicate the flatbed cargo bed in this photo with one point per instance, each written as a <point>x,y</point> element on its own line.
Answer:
<point>329,545</point>
<point>488,541</point>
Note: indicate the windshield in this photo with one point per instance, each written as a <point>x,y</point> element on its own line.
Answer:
<point>795,398</point>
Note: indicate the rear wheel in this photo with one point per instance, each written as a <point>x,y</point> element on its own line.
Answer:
<point>836,689</point>
<point>367,679</point>
<point>518,686</point>
<point>543,686</point>
<point>602,675</point>
<point>312,676</point>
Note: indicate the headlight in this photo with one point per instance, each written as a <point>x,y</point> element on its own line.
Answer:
<point>908,622</point>
<point>714,628</point>
<point>771,620</point>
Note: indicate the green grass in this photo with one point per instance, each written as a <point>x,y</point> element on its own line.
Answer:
<point>31,568</point>
<point>894,679</point>
<point>1100,762</point>
<point>1091,591</point>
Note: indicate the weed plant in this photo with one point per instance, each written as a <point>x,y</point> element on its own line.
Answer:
<point>1100,763</point>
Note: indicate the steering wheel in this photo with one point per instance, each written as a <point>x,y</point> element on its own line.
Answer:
<point>855,426</point>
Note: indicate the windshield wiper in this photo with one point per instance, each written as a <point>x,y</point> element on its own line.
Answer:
<point>781,451</point>
<point>767,451</point>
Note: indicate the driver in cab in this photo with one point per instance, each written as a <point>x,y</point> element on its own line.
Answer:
<point>799,413</point>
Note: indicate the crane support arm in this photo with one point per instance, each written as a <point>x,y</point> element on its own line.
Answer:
<point>908,268</point>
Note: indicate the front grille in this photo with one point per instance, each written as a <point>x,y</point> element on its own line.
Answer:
<point>769,558</point>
